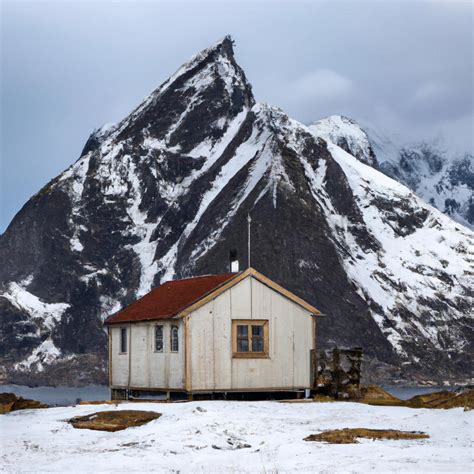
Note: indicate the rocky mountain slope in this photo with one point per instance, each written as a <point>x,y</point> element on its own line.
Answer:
<point>165,193</point>
<point>441,177</point>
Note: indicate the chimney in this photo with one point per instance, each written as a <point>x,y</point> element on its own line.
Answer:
<point>233,262</point>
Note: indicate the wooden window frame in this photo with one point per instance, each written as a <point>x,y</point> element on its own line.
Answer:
<point>155,327</point>
<point>174,326</point>
<point>249,323</point>
<point>121,340</point>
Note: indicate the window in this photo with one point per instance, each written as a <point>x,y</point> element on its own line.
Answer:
<point>250,338</point>
<point>174,339</point>
<point>123,340</point>
<point>158,338</point>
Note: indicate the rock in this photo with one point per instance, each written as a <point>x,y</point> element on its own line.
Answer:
<point>10,402</point>
<point>114,420</point>
<point>7,400</point>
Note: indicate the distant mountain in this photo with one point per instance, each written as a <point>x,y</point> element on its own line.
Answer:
<point>442,177</point>
<point>165,193</point>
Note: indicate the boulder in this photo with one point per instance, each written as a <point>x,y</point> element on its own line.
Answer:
<point>10,402</point>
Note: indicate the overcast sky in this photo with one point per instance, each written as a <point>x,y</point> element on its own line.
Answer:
<point>67,68</point>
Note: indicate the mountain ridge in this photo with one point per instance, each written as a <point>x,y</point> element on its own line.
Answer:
<point>444,179</point>
<point>166,192</point>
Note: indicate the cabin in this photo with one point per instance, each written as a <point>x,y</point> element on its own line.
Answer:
<point>226,334</point>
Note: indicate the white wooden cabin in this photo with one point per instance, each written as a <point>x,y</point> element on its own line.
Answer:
<point>237,332</point>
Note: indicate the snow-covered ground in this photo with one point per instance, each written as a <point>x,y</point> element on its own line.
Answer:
<point>205,436</point>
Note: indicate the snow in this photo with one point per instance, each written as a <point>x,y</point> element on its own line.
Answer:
<point>76,245</point>
<point>212,151</point>
<point>144,249</point>
<point>251,149</point>
<point>266,161</point>
<point>195,60</point>
<point>45,354</point>
<point>426,247</point>
<point>45,315</point>
<point>108,306</point>
<point>209,436</point>
<point>336,128</point>
<point>48,314</point>
<point>433,185</point>
<point>199,80</point>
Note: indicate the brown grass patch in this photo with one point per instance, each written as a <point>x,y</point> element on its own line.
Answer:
<point>350,435</point>
<point>113,420</point>
<point>131,400</point>
<point>375,395</point>
<point>323,398</point>
<point>443,400</point>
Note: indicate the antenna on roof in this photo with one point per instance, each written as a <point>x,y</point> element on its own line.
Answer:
<point>249,220</point>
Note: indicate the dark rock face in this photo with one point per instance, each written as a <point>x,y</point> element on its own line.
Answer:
<point>165,193</point>
<point>17,332</point>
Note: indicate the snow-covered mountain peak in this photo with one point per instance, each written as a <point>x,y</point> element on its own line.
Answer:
<point>347,134</point>
<point>166,192</point>
<point>441,176</point>
<point>210,90</point>
<point>219,57</point>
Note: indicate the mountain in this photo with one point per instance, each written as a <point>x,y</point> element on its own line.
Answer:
<point>166,192</point>
<point>441,177</point>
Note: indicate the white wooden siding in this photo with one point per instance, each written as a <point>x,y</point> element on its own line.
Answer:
<point>149,369</point>
<point>209,353</point>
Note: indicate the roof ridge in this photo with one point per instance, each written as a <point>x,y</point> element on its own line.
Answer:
<point>201,276</point>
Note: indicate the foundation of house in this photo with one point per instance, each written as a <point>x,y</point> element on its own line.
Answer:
<point>176,395</point>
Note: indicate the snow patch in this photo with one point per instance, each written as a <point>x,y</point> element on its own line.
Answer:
<point>48,313</point>
<point>45,354</point>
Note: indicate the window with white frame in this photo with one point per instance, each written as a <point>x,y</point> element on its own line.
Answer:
<point>174,336</point>
<point>159,338</point>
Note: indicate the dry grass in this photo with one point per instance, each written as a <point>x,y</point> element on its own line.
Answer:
<point>113,420</point>
<point>350,435</point>
<point>323,398</point>
<point>130,400</point>
<point>444,399</point>
<point>375,393</point>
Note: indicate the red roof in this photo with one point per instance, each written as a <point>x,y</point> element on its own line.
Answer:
<point>169,299</point>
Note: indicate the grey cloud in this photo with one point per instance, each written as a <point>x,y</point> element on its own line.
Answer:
<point>68,68</point>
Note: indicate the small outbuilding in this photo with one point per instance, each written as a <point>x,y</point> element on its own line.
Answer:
<point>233,332</point>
